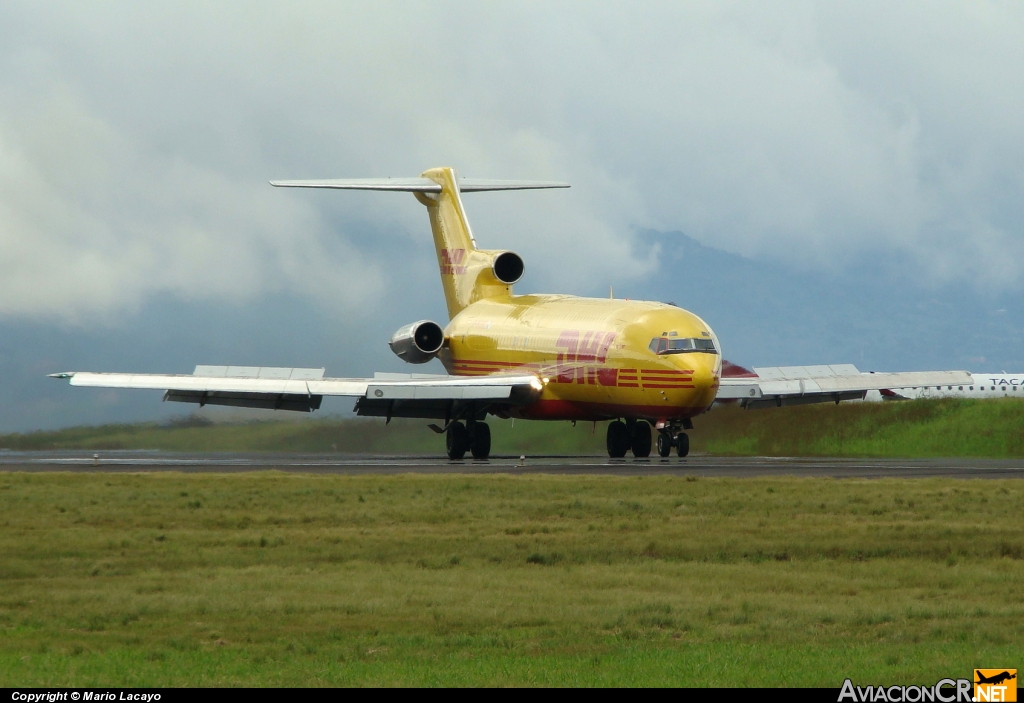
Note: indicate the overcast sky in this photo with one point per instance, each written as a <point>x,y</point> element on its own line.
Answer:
<point>137,139</point>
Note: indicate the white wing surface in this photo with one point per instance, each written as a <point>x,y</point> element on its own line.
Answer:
<point>797,385</point>
<point>391,395</point>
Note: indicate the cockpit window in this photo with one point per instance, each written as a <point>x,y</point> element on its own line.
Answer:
<point>681,345</point>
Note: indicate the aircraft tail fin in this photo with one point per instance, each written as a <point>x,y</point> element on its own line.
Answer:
<point>468,274</point>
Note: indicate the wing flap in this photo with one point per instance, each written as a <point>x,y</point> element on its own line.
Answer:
<point>266,401</point>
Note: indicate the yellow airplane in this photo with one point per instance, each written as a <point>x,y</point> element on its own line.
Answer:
<point>540,357</point>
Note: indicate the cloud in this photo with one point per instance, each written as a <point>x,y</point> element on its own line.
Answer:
<point>136,141</point>
<point>92,222</point>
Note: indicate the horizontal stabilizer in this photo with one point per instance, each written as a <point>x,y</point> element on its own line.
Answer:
<point>418,185</point>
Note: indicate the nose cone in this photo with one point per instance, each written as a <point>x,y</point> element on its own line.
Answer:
<point>705,369</point>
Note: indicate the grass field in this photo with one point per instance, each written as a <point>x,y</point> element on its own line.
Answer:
<point>274,579</point>
<point>918,428</point>
<point>362,436</point>
<point>973,428</point>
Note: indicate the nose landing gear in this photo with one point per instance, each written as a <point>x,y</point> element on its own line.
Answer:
<point>682,444</point>
<point>665,443</point>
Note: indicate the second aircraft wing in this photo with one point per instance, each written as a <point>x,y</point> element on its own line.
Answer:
<point>798,385</point>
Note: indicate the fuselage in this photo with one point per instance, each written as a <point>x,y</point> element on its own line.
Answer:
<point>598,358</point>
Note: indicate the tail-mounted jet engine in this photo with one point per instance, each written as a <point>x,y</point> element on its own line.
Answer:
<point>418,342</point>
<point>508,267</point>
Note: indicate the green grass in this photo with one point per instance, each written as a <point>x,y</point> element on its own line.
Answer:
<point>274,579</point>
<point>923,428</point>
<point>918,428</point>
<point>362,436</point>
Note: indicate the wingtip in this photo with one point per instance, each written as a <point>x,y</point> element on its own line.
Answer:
<point>62,374</point>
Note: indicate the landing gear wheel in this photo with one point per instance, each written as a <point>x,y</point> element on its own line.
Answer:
<point>683,444</point>
<point>664,444</point>
<point>641,441</point>
<point>456,441</point>
<point>618,439</point>
<point>480,444</point>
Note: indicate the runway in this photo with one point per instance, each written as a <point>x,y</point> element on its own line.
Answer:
<point>740,467</point>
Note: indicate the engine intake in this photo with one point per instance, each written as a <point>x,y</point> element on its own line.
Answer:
<point>508,267</point>
<point>418,342</point>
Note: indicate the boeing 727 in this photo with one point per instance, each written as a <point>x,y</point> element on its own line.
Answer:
<point>543,357</point>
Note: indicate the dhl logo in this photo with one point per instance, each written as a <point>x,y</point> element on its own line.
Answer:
<point>452,261</point>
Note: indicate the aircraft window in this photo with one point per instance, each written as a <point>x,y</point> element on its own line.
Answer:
<point>961,387</point>
<point>972,388</point>
<point>949,388</point>
<point>681,345</point>
<point>1004,389</point>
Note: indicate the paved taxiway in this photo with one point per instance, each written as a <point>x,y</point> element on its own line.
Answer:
<point>146,461</point>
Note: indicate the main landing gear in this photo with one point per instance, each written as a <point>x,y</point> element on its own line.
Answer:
<point>635,435</point>
<point>475,439</point>
<point>630,435</point>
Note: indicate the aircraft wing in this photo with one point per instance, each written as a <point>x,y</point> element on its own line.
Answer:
<point>799,385</point>
<point>384,395</point>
